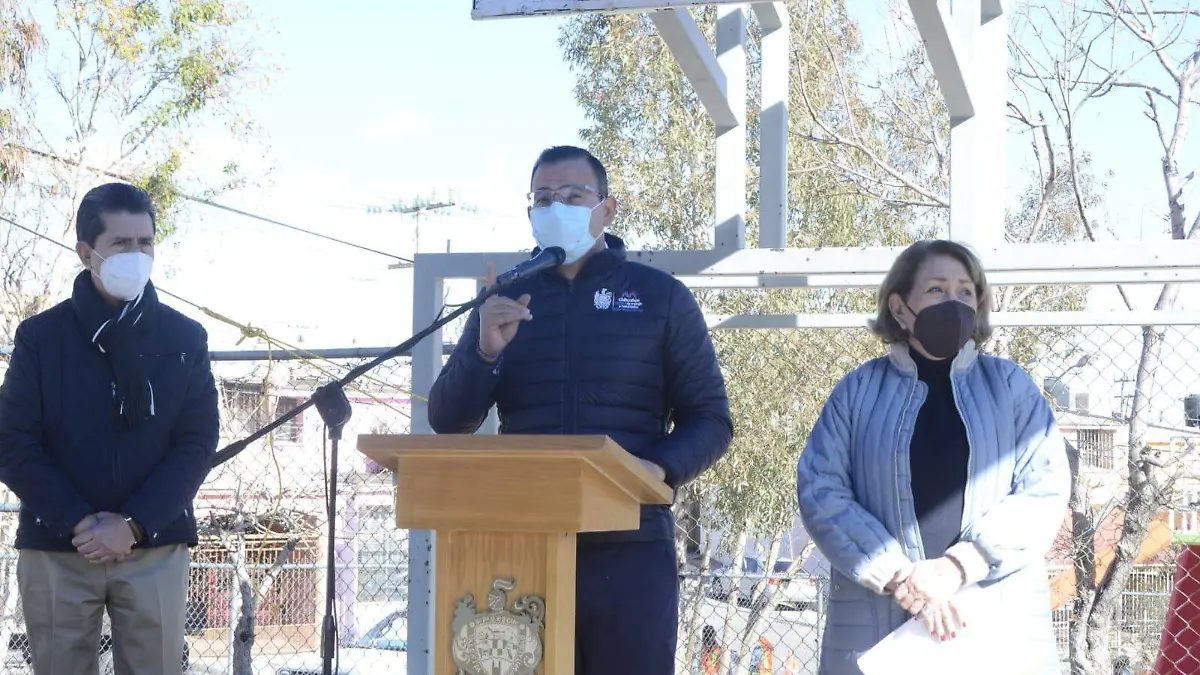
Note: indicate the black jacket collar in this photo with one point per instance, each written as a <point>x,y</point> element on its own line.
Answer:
<point>599,262</point>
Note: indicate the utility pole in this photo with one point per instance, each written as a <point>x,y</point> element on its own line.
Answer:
<point>1124,400</point>
<point>417,208</point>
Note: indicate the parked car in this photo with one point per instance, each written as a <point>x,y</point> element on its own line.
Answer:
<point>383,650</point>
<point>796,591</point>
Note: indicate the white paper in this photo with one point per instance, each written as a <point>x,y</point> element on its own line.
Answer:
<point>984,647</point>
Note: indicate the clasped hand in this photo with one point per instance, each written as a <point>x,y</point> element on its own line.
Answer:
<point>103,538</point>
<point>926,591</point>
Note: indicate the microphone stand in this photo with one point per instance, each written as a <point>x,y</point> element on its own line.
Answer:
<point>334,408</point>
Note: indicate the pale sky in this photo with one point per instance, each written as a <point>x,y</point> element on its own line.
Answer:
<point>377,102</point>
<point>401,100</point>
<point>1127,159</point>
<point>412,99</point>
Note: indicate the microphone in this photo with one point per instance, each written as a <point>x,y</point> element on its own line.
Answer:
<point>547,258</point>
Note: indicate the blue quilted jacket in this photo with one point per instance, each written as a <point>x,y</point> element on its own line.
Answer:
<point>856,501</point>
<point>622,350</point>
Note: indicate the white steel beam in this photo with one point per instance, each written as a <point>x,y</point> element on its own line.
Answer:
<point>497,9</point>
<point>426,364</point>
<point>948,55</point>
<point>991,9</point>
<point>698,63</point>
<point>771,15</point>
<point>1049,261</point>
<point>1077,277</point>
<point>773,124</point>
<point>977,144</point>
<point>999,319</point>
<point>730,200</point>
<point>1001,278</point>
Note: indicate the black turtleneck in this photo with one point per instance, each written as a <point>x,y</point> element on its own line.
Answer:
<point>938,457</point>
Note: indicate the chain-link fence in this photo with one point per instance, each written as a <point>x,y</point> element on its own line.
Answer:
<point>753,586</point>
<point>257,586</point>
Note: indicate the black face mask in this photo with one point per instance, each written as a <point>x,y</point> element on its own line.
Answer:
<point>944,328</point>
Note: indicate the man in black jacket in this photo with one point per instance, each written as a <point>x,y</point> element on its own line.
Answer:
<point>608,347</point>
<point>108,426</point>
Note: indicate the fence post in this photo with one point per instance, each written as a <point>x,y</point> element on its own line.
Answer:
<point>426,363</point>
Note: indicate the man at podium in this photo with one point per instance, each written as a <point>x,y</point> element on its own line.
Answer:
<point>598,346</point>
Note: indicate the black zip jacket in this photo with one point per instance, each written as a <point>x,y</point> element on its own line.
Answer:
<point>623,351</point>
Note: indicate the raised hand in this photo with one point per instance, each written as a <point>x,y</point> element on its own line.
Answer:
<point>499,318</point>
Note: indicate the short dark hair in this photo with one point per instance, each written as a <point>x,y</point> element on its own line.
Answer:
<point>903,275</point>
<point>110,198</point>
<point>566,153</point>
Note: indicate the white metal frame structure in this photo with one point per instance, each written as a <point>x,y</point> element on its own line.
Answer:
<point>966,46</point>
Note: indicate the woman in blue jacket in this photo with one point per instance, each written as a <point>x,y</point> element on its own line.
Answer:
<point>933,468</point>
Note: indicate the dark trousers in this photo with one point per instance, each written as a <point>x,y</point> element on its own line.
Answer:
<point>626,608</point>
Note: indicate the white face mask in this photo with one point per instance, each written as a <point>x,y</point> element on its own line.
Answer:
<point>568,227</point>
<point>125,275</point>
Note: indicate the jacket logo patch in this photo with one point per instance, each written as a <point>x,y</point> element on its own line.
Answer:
<point>628,302</point>
<point>603,299</point>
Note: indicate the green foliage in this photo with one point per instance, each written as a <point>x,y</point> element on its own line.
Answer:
<point>174,58</point>
<point>868,165</point>
<point>648,126</point>
<point>652,133</point>
<point>111,88</point>
<point>160,181</point>
<point>20,38</point>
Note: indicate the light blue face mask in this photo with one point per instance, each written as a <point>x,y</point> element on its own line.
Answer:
<point>568,227</point>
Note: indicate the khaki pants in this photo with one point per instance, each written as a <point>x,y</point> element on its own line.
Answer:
<point>64,598</point>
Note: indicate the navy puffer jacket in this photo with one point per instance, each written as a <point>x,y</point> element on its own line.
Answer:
<point>66,454</point>
<point>623,351</point>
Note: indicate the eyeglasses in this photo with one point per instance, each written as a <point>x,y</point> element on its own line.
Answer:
<point>574,195</point>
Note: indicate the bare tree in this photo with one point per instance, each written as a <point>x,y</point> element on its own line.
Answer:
<point>1082,56</point>
<point>249,589</point>
<point>119,88</point>
<point>262,524</point>
<point>20,39</point>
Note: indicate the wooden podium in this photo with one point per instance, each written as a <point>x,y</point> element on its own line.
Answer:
<point>506,510</point>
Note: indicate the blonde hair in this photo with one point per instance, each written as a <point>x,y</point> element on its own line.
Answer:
<point>903,275</point>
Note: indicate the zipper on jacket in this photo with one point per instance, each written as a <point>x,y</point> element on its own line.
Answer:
<point>970,452</point>
<point>116,456</point>
<point>896,474</point>
<point>568,387</point>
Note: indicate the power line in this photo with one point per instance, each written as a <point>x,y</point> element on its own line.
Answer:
<point>247,330</point>
<point>52,240</point>
<point>417,209</point>
<point>414,210</point>
<point>207,202</point>
<point>210,203</point>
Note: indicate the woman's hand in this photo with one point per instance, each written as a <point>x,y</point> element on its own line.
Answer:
<point>900,577</point>
<point>926,594</point>
<point>942,622</point>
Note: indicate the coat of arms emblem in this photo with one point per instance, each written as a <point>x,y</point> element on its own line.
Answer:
<point>603,298</point>
<point>498,641</point>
